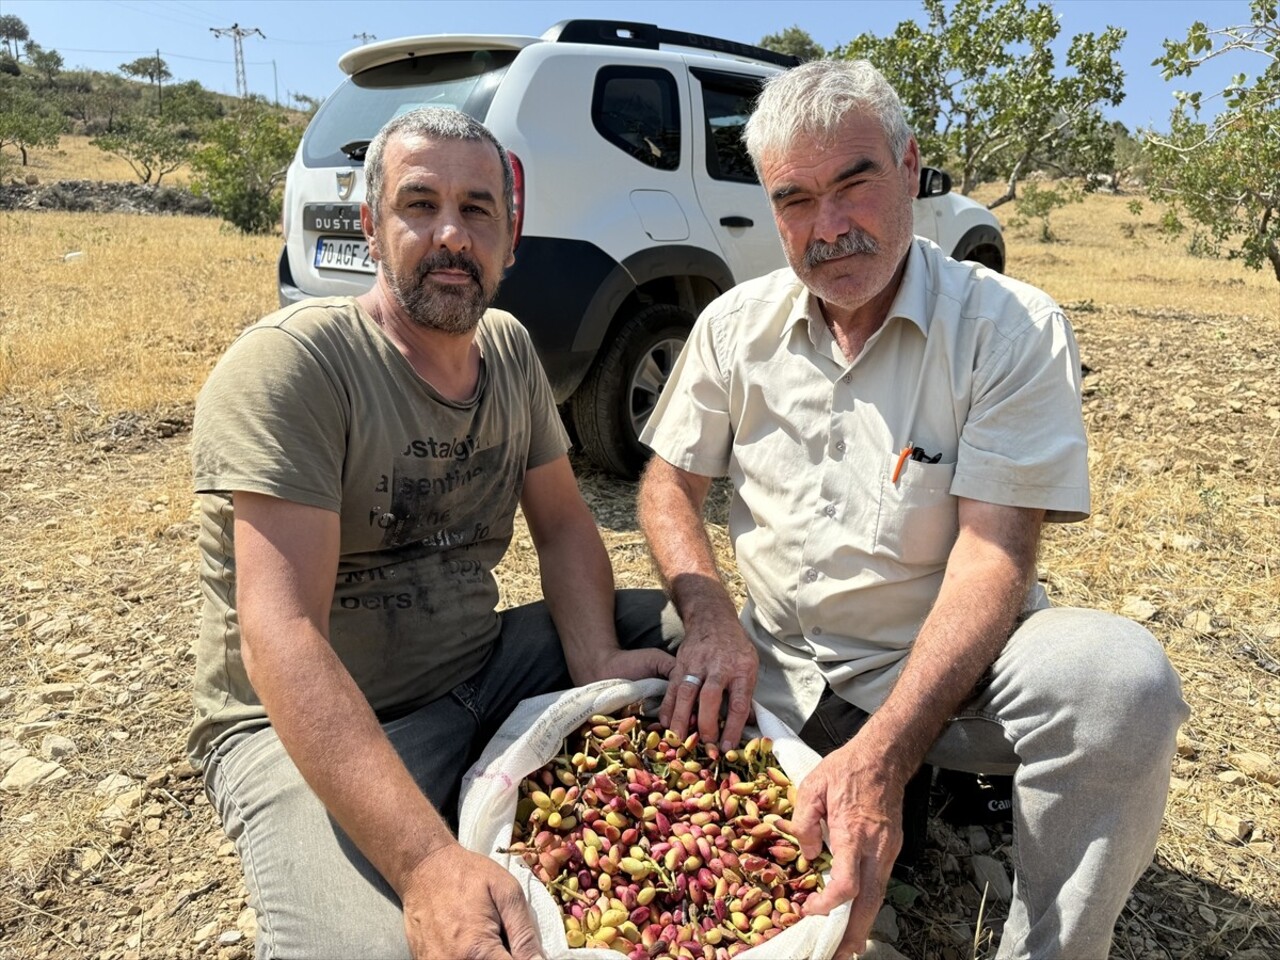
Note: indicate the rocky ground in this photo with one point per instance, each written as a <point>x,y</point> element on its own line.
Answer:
<point>109,850</point>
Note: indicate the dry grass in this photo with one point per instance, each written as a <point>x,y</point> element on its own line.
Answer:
<point>75,158</point>
<point>100,358</point>
<point>1107,255</point>
<point>129,311</point>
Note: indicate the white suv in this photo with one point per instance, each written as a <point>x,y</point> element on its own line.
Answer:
<point>637,203</point>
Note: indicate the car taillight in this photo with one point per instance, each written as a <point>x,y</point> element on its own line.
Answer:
<point>517,170</point>
<point>284,212</point>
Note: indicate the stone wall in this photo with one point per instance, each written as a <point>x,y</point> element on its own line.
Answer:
<point>97,196</point>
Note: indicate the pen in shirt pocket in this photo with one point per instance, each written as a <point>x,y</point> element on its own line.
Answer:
<point>912,452</point>
<point>902,459</point>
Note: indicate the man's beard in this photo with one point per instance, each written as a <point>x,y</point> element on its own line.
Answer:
<point>854,242</point>
<point>447,308</point>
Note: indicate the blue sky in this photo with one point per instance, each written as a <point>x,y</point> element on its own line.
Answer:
<point>304,38</point>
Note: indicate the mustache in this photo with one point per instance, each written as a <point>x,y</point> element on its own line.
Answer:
<point>449,260</point>
<point>854,242</point>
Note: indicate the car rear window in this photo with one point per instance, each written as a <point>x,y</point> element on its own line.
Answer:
<point>465,80</point>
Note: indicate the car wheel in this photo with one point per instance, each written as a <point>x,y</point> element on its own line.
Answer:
<point>615,401</point>
<point>987,255</point>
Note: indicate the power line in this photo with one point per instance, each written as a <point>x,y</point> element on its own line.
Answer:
<point>167,53</point>
<point>159,16</point>
<point>237,34</point>
<point>306,43</point>
<point>192,10</point>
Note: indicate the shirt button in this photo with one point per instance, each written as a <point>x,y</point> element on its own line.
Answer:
<point>840,446</point>
<point>817,631</point>
<point>811,576</point>
<point>830,511</point>
<point>847,378</point>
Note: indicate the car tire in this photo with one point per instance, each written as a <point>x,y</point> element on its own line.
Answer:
<point>987,255</point>
<point>614,401</point>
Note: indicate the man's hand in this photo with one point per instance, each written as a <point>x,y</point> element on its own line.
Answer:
<point>462,904</point>
<point>618,664</point>
<point>862,807</point>
<point>717,651</point>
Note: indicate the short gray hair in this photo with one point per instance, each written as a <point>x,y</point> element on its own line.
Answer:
<point>814,98</point>
<point>432,123</point>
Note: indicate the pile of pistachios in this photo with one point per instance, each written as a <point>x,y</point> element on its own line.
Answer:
<point>661,847</point>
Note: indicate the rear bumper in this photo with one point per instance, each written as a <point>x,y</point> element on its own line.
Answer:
<point>288,290</point>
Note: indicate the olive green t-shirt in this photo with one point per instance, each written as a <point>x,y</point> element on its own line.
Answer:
<point>315,405</point>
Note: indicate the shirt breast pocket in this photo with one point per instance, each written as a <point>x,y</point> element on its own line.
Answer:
<point>918,520</point>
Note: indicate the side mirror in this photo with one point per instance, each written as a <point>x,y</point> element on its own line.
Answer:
<point>933,182</point>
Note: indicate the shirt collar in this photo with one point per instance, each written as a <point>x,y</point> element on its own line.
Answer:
<point>911,302</point>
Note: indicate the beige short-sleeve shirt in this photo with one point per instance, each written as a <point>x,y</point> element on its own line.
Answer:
<point>842,562</point>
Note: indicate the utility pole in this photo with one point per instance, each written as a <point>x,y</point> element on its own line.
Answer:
<point>238,33</point>
<point>363,37</point>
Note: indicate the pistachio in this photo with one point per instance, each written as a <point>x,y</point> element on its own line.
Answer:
<point>657,846</point>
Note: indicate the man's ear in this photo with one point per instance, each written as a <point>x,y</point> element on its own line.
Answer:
<point>911,165</point>
<point>366,225</point>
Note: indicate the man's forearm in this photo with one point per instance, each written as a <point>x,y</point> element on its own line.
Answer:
<point>977,607</point>
<point>959,640</point>
<point>670,513</point>
<point>578,586</point>
<point>331,734</point>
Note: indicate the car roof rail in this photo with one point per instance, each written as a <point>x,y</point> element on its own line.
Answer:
<point>648,36</point>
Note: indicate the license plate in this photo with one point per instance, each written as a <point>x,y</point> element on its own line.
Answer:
<point>344,253</point>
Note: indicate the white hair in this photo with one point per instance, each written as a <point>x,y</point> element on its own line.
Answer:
<point>814,99</point>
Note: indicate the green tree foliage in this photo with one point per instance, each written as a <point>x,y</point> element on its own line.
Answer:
<point>1224,174</point>
<point>1129,159</point>
<point>27,120</point>
<point>154,69</point>
<point>306,103</point>
<point>95,100</point>
<point>794,41</point>
<point>155,144</point>
<point>984,91</point>
<point>13,32</point>
<point>191,105</point>
<point>47,63</point>
<point>152,145</point>
<point>1037,202</point>
<point>241,166</point>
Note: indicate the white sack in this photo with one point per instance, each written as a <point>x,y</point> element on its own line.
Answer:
<point>534,733</point>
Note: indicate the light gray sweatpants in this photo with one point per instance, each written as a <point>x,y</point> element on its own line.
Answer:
<point>316,896</point>
<point>1082,707</point>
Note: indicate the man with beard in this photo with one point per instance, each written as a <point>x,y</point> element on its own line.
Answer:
<point>897,426</point>
<point>359,463</point>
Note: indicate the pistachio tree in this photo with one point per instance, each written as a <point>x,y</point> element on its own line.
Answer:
<point>1219,164</point>
<point>987,96</point>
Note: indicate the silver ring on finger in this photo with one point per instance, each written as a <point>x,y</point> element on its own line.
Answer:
<point>692,678</point>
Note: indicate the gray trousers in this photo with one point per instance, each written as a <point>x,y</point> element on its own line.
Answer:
<point>1082,708</point>
<point>316,896</point>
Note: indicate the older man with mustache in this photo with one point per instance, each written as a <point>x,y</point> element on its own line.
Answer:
<point>359,464</point>
<point>897,427</point>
